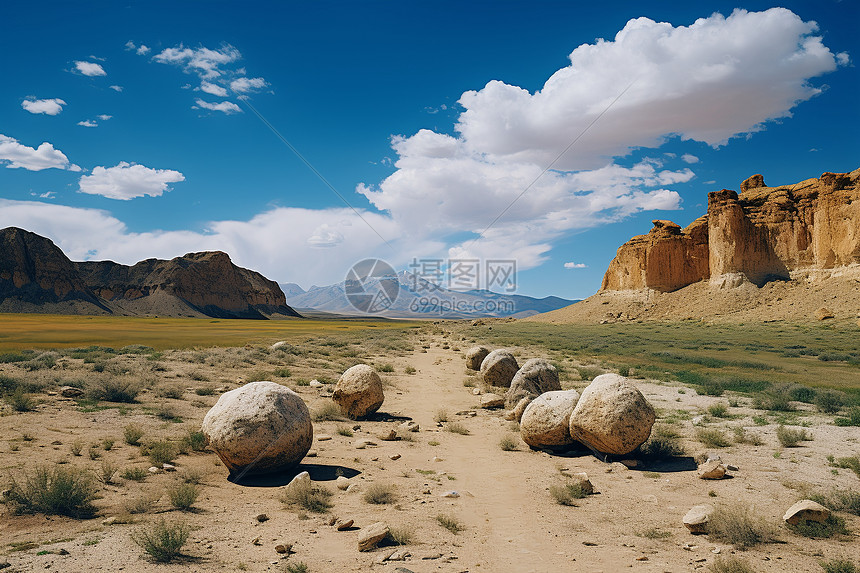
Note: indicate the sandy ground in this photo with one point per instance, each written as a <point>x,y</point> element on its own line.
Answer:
<point>511,522</point>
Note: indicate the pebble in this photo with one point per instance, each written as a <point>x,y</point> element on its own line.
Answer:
<point>364,443</point>
<point>262,517</point>
<point>388,436</point>
<point>450,494</point>
<point>394,456</point>
<point>284,548</point>
<point>168,467</point>
<point>437,459</point>
<point>256,541</point>
<point>341,483</point>
<point>154,470</point>
<point>323,438</point>
<point>316,384</point>
<point>344,524</point>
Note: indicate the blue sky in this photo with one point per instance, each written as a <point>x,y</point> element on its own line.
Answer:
<point>429,118</point>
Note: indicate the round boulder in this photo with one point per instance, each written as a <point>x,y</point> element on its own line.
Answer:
<point>499,368</point>
<point>545,422</point>
<point>258,428</point>
<point>474,357</point>
<point>534,378</point>
<point>612,416</point>
<point>359,392</point>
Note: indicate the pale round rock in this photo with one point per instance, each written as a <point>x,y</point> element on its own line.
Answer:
<point>545,421</point>
<point>612,416</point>
<point>474,357</point>
<point>260,427</point>
<point>359,392</point>
<point>499,368</point>
<point>534,378</point>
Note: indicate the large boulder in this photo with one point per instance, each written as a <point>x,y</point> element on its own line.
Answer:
<point>534,378</point>
<point>545,422</point>
<point>359,392</point>
<point>696,520</point>
<point>612,416</point>
<point>806,510</point>
<point>258,428</point>
<point>474,357</point>
<point>499,368</point>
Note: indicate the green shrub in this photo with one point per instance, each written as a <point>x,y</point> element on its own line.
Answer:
<point>830,401</point>
<point>115,389</point>
<point>565,494</point>
<point>161,541</point>
<point>196,440</point>
<point>718,410</point>
<point>380,494</point>
<point>160,452</point>
<point>833,525</point>
<point>134,474</point>
<point>839,566</point>
<point>309,496</point>
<point>54,491</point>
<point>790,438</point>
<point>328,412</point>
<point>509,443</point>
<point>385,368</point>
<point>106,472</point>
<point>736,525</point>
<point>802,393</point>
<point>730,565</point>
<point>132,435</point>
<point>712,437</point>
<point>450,523</point>
<point>183,495</point>
<point>20,402</point>
<point>664,442</point>
<point>853,418</point>
<point>299,567</point>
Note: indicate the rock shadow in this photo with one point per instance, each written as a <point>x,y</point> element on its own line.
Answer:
<point>668,465</point>
<point>385,417</point>
<point>318,472</point>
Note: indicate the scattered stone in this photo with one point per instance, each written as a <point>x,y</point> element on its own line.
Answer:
<point>256,541</point>
<point>698,420</point>
<point>475,356</point>
<point>437,459</point>
<point>477,391</point>
<point>311,454</point>
<point>432,555</point>
<point>384,556</point>
<point>371,535</point>
<point>534,378</point>
<point>642,558</point>
<point>262,517</point>
<point>409,426</point>
<point>806,510</point>
<point>499,368</point>
<point>316,384</point>
<point>109,521</point>
<point>365,443</point>
<point>394,457</point>
<point>824,313</point>
<point>581,479</point>
<point>426,491</point>
<point>546,420</point>
<point>284,548</point>
<point>490,401</point>
<point>168,467</point>
<point>154,470</point>
<point>712,469</point>
<point>353,487</point>
<point>70,392</point>
<point>612,416</point>
<point>344,524</point>
<point>259,428</point>
<point>279,344</point>
<point>301,478</point>
<point>341,483</point>
<point>450,494</point>
<point>359,392</point>
<point>388,436</point>
<point>404,569</point>
<point>323,438</point>
<point>713,456</point>
<point>696,520</point>
<point>731,467</point>
<point>399,556</point>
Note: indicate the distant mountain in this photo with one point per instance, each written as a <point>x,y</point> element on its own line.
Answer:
<point>419,298</point>
<point>36,276</point>
<point>291,289</point>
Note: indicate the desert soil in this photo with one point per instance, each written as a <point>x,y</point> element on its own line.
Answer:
<point>510,521</point>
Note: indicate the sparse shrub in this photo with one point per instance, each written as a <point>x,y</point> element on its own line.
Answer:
<point>509,443</point>
<point>115,389</point>
<point>830,401</point>
<point>735,524</point>
<point>309,496</point>
<point>450,523</point>
<point>410,370</point>
<point>790,438</point>
<point>299,567</point>
<point>107,444</point>
<point>387,367</point>
<point>730,565</point>
<point>76,447</point>
<point>838,566</point>
<point>852,463</point>
<point>664,442</point>
<point>132,435</point>
<point>853,418</point>
<point>282,372</point>
<point>565,494</point>
<point>172,392</point>
<point>160,452</point>
<point>345,431</point>
<point>20,401</point>
<point>134,474</point>
<point>94,452</point>
<point>167,414</point>
<point>141,504</point>
<point>802,393</point>
<point>712,437</point>
<point>106,472</point>
<point>743,437</point>
<point>53,491</point>
<point>196,440</point>
<point>401,535</point>
<point>718,410</point>
<point>589,372</point>
<point>457,428</point>
<point>654,533</point>
<point>833,525</point>
<point>328,412</point>
<point>183,495</point>
<point>161,541</point>
<point>204,391</point>
<point>380,494</point>
<point>441,416</point>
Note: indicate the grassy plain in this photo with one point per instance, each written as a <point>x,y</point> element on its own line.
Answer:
<point>43,331</point>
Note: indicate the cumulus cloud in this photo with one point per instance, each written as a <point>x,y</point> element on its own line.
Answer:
<point>51,106</point>
<point>128,180</point>
<point>140,50</point>
<point>689,158</point>
<point>245,85</point>
<point>575,266</point>
<point>204,62</point>
<point>325,236</point>
<point>88,123</point>
<point>104,117</point>
<point>89,68</point>
<point>116,88</point>
<point>227,107</point>
<point>213,89</point>
<point>17,155</point>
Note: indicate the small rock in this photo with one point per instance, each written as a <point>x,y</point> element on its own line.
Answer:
<point>109,521</point>
<point>409,426</point>
<point>388,436</point>
<point>154,470</point>
<point>823,313</point>
<point>284,548</point>
<point>477,391</point>
<point>489,401</point>
<point>403,570</point>
<point>731,467</point>
<point>364,443</point>
<point>698,420</point>
<point>642,558</point>
<point>450,494</point>
<point>394,457</point>
<point>323,438</point>
<point>344,524</point>
<point>316,384</point>
<point>256,541</point>
<point>806,510</point>
<point>70,392</point>
<point>437,459</point>
<point>696,520</point>
<point>581,479</point>
<point>341,483</point>
<point>168,467</point>
<point>399,556</point>
<point>712,470</point>
<point>432,555</point>
<point>384,556</point>
<point>262,517</point>
<point>713,456</point>
<point>371,535</point>
<point>352,487</point>
<point>303,477</point>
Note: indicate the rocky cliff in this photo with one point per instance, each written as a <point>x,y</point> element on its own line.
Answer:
<point>763,234</point>
<point>35,273</point>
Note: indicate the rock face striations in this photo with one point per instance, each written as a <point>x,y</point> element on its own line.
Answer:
<point>763,234</point>
<point>35,276</point>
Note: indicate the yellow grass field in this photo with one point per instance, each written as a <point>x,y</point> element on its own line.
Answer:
<point>20,331</point>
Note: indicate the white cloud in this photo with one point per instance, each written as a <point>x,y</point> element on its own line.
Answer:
<point>116,88</point>
<point>204,62</point>
<point>575,266</point>
<point>245,85</point>
<point>47,195</point>
<point>88,123</point>
<point>325,236</point>
<point>141,50</point>
<point>45,156</point>
<point>128,180</point>
<point>227,107</point>
<point>90,68</point>
<point>51,106</point>
<point>213,89</point>
<point>104,117</point>
<point>689,158</point>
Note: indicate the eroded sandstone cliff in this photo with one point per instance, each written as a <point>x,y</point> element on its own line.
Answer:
<point>763,234</point>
